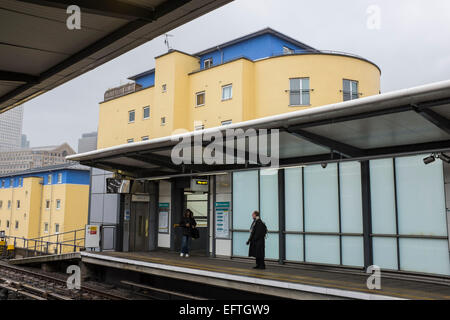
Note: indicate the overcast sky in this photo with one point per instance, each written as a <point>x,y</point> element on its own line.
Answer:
<point>412,47</point>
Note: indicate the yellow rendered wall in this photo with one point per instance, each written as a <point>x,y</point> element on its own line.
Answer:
<point>326,74</point>
<point>260,89</point>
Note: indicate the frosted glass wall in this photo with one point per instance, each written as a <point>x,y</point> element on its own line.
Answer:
<point>245,201</point>
<point>410,193</point>
<point>269,210</point>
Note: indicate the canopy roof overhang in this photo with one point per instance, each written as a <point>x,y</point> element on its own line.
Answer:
<point>404,122</point>
<point>38,52</point>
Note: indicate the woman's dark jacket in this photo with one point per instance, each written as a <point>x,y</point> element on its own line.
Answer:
<point>187,230</point>
<point>257,245</point>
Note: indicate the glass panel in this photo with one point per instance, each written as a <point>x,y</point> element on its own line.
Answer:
<point>382,196</point>
<point>321,198</point>
<point>346,86</point>
<point>226,92</point>
<point>294,98</point>
<point>305,83</point>
<point>294,247</point>
<point>293,199</point>
<point>322,249</point>
<point>245,198</point>
<point>305,97</point>
<point>385,252</point>
<point>420,197</point>
<point>240,248</point>
<point>353,251</point>
<point>425,255</point>
<point>351,202</point>
<point>269,198</point>
<point>294,84</point>
<point>272,246</point>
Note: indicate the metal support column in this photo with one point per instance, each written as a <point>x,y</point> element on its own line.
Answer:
<point>367,213</point>
<point>281,217</point>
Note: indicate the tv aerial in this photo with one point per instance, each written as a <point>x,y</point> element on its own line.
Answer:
<point>166,41</point>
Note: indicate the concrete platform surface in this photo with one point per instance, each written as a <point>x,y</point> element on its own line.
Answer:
<point>284,281</point>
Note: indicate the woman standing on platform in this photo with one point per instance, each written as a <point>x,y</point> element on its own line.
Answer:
<point>187,223</point>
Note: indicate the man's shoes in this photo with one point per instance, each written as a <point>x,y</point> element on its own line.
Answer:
<point>259,267</point>
<point>187,255</point>
<point>256,267</point>
<point>181,254</point>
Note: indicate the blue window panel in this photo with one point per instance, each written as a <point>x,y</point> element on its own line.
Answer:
<point>294,247</point>
<point>385,252</point>
<point>425,255</point>
<point>351,197</point>
<point>245,198</point>
<point>240,248</point>
<point>420,197</point>
<point>269,198</point>
<point>322,249</point>
<point>353,251</point>
<point>293,199</point>
<point>382,196</point>
<point>321,198</point>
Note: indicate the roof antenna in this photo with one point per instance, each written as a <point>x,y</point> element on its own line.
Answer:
<point>166,41</point>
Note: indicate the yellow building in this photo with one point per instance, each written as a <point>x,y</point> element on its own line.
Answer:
<point>45,202</point>
<point>259,75</point>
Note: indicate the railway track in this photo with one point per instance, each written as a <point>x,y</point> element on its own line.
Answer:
<point>37,286</point>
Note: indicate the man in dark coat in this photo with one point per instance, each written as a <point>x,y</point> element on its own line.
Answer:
<point>187,223</point>
<point>257,240</point>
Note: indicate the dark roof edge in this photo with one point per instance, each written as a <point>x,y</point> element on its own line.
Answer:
<point>255,34</point>
<point>65,166</point>
<point>142,74</point>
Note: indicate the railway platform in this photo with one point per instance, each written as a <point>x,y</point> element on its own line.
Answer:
<point>285,281</point>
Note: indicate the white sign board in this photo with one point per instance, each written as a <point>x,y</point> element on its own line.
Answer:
<point>92,236</point>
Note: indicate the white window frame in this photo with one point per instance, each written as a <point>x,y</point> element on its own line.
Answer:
<point>226,122</point>
<point>287,50</point>
<point>56,225</point>
<point>223,90</point>
<point>300,91</point>
<point>60,178</point>
<point>58,204</point>
<point>164,88</point>
<point>47,204</point>
<point>143,113</point>
<point>208,61</point>
<point>46,227</point>
<point>163,121</point>
<point>145,138</point>
<point>131,140</point>
<point>134,116</point>
<point>351,89</point>
<point>196,98</point>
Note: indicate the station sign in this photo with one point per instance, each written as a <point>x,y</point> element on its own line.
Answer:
<point>199,185</point>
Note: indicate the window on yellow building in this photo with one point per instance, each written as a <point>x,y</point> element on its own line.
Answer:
<point>199,127</point>
<point>16,226</point>
<point>131,116</point>
<point>1,204</point>
<point>130,140</point>
<point>146,112</point>
<point>299,92</point>
<point>227,92</point>
<point>59,177</point>
<point>18,204</point>
<point>200,99</point>
<point>56,227</point>
<point>350,90</point>
<point>163,121</point>
<point>207,63</point>
<point>225,122</point>
<point>46,227</point>
<point>164,88</point>
<point>144,138</point>
<point>7,224</point>
<point>49,179</point>
<point>9,204</point>
<point>47,204</point>
<point>58,204</point>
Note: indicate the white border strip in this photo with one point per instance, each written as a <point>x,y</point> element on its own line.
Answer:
<point>258,281</point>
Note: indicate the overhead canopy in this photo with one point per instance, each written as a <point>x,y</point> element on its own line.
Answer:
<point>38,52</point>
<point>403,122</point>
